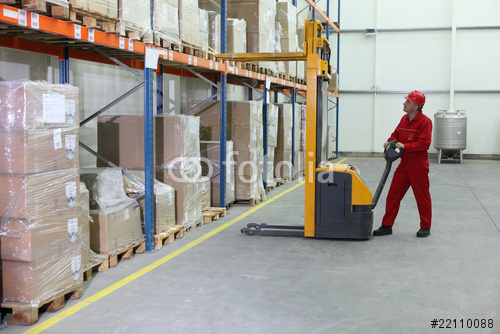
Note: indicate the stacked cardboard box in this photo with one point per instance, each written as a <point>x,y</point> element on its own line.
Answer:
<point>210,150</point>
<point>204,29</point>
<point>135,16</point>
<point>244,128</point>
<point>85,222</point>
<point>236,36</point>
<point>107,8</point>
<point>166,20</point>
<point>189,21</point>
<point>41,242</point>
<point>116,217</point>
<point>164,198</point>
<point>272,141</point>
<point>214,31</point>
<point>177,155</point>
<point>286,17</point>
<point>259,16</point>
<point>283,154</point>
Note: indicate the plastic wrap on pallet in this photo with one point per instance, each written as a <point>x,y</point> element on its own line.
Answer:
<point>62,3</point>
<point>272,125</point>
<point>107,8</point>
<point>248,178</point>
<point>178,163</point>
<point>85,220</point>
<point>270,166</point>
<point>27,151</point>
<point>204,29</point>
<point>280,66</point>
<point>166,20</point>
<point>164,198</point>
<point>236,36</point>
<point>210,150</point>
<point>204,184</point>
<point>214,32</point>
<point>38,104</point>
<point>284,149</point>
<point>44,278</point>
<point>39,194</point>
<point>116,217</point>
<point>189,21</point>
<point>135,15</point>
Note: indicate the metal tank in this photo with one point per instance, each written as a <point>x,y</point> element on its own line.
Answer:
<point>450,133</point>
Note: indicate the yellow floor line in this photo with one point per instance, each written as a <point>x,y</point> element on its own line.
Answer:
<point>95,297</point>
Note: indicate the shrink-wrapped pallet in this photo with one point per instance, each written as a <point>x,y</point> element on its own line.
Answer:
<point>38,104</point>
<point>189,21</point>
<point>164,199</point>
<point>244,128</point>
<point>116,217</point>
<point>284,150</point>
<point>107,8</point>
<point>272,124</point>
<point>236,36</point>
<point>210,150</point>
<point>204,29</point>
<point>85,222</point>
<point>214,32</point>
<point>204,184</point>
<point>135,16</point>
<point>166,20</point>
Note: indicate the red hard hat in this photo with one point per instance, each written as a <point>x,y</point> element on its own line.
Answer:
<point>417,97</point>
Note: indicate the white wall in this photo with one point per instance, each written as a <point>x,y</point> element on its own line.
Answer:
<point>435,61</point>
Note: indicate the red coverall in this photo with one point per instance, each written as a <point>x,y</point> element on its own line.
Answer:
<point>413,169</point>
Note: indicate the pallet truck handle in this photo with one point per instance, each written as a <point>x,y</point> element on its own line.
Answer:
<point>391,154</point>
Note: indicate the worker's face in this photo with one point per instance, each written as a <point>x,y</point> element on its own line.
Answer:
<point>409,107</point>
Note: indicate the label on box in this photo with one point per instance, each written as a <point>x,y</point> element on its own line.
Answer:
<point>170,199</point>
<point>70,111</point>
<point>76,267</point>
<point>70,141</point>
<point>127,214</point>
<point>203,188</point>
<point>193,126</point>
<point>71,193</point>
<point>185,217</point>
<point>73,229</point>
<point>54,108</point>
<point>57,139</point>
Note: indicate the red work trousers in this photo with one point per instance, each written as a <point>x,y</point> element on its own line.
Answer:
<point>414,173</point>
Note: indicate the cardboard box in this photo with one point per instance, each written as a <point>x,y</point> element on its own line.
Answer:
<point>135,15</point>
<point>40,237</point>
<point>40,194</point>
<point>104,7</point>
<point>205,193</point>
<point>116,228</point>
<point>166,20</point>
<point>283,164</point>
<point>210,150</point>
<point>164,200</point>
<point>236,36</point>
<point>38,150</point>
<point>187,198</point>
<point>85,223</point>
<point>34,105</point>
<point>189,21</point>
<point>37,281</point>
<point>214,32</point>
<point>204,30</point>
<point>121,141</point>
<point>272,125</point>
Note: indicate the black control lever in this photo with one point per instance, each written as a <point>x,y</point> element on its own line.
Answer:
<point>391,154</point>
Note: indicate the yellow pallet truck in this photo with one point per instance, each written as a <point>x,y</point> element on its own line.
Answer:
<point>338,204</point>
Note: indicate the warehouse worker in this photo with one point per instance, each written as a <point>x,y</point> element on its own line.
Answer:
<point>413,134</point>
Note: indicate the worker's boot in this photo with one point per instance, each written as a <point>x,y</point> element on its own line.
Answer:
<point>383,230</point>
<point>424,232</point>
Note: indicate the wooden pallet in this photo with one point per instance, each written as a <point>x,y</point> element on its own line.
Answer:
<point>126,252</point>
<point>271,187</point>
<point>248,202</point>
<point>163,43</point>
<point>193,226</point>
<point>46,7</point>
<point>28,314</point>
<point>92,19</point>
<point>196,51</point>
<point>168,236</point>
<point>213,214</point>
<point>98,262</point>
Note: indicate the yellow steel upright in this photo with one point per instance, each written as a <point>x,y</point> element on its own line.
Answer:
<point>316,49</point>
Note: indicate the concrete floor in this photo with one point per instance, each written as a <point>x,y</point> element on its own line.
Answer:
<point>234,283</point>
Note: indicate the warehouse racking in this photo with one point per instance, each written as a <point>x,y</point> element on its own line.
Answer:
<point>32,32</point>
